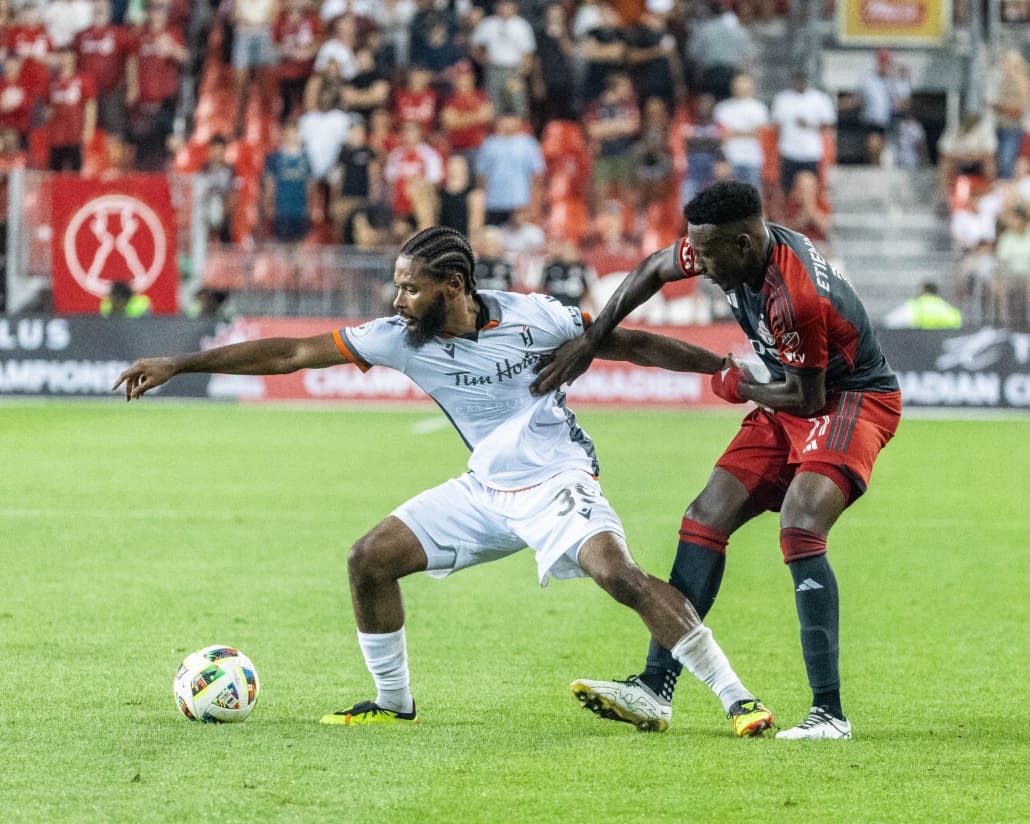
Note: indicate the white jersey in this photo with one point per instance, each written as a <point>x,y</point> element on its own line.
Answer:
<point>482,384</point>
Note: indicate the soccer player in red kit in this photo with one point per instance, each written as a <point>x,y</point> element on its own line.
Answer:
<point>807,451</point>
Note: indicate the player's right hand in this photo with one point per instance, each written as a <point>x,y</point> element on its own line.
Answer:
<point>726,384</point>
<point>143,375</point>
<point>563,365</point>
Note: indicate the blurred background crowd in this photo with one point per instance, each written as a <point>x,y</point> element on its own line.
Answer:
<point>563,136</point>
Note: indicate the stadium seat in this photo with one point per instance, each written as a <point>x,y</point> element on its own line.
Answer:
<point>95,157</point>
<point>567,158</point>
<point>273,270</point>
<point>769,137</point>
<point>39,148</point>
<point>829,156</point>
<point>561,138</point>
<point>662,227</point>
<point>224,269</point>
<point>191,157</point>
<point>963,189</point>
<point>568,219</point>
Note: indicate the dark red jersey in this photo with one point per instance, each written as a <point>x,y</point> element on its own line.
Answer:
<point>16,102</point>
<point>68,98</point>
<point>33,46</point>
<point>295,36</point>
<point>807,316</point>
<point>158,72</point>
<point>102,51</point>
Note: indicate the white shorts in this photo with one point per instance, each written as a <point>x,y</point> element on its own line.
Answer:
<point>462,523</point>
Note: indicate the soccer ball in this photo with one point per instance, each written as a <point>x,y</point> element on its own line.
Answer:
<point>216,684</point>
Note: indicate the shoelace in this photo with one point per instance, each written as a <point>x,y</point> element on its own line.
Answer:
<point>817,716</point>
<point>364,708</point>
<point>745,707</point>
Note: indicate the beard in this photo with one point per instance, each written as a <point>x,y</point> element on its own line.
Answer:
<point>428,326</point>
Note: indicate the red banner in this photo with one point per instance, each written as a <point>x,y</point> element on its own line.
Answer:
<point>606,383</point>
<point>122,230</point>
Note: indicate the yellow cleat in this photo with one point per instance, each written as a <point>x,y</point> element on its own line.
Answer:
<point>368,712</point>
<point>750,718</point>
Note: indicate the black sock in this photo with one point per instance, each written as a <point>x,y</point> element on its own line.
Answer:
<point>818,606</point>
<point>829,701</point>
<point>697,573</point>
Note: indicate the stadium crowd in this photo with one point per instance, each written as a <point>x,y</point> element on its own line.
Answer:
<point>575,128</point>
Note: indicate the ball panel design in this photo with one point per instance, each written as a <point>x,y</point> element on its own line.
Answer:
<point>215,685</point>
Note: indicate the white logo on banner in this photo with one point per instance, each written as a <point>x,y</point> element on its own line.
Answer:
<point>121,226</point>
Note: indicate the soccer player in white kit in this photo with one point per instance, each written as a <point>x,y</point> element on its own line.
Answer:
<point>532,474</point>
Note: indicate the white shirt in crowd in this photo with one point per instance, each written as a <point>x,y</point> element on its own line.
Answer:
<point>323,135</point>
<point>64,20</point>
<point>742,115</point>
<point>801,117</point>
<point>506,41</point>
<point>343,55</point>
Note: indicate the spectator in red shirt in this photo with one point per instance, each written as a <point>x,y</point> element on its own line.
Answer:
<point>28,39</point>
<point>297,34</point>
<point>414,169</point>
<point>152,78</point>
<point>381,135</point>
<point>467,115</point>
<point>416,101</point>
<point>73,113</point>
<point>16,98</point>
<point>102,51</point>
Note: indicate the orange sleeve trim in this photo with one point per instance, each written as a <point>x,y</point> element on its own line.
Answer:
<point>350,356</point>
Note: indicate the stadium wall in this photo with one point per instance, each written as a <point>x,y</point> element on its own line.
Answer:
<point>81,356</point>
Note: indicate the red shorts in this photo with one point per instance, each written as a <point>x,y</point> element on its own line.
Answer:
<point>772,447</point>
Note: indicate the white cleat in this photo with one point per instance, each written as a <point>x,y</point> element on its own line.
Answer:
<point>630,701</point>
<point>819,725</point>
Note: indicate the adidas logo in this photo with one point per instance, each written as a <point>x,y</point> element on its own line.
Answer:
<point>808,584</point>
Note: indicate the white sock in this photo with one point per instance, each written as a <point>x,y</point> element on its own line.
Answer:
<point>386,656</point>
<point>699,653</point>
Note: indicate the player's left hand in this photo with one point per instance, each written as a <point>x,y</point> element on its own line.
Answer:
<point>144,375</point>
<point>726,383</point>
<point>564,365</point>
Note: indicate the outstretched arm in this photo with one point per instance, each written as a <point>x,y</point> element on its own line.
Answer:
<point>649,349</point>
<point>572,359</point>
<point>268,356</point>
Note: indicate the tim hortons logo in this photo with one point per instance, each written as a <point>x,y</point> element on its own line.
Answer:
<point>115,237</point>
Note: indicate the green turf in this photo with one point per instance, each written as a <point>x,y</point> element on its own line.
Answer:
<point>134,534</point>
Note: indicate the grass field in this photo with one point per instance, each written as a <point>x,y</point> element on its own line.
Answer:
<point>135,534</point>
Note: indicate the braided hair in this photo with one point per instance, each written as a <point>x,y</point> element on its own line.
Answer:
<point>442,251</point>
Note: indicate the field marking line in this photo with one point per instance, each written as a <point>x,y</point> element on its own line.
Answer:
<point>428,425</point>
